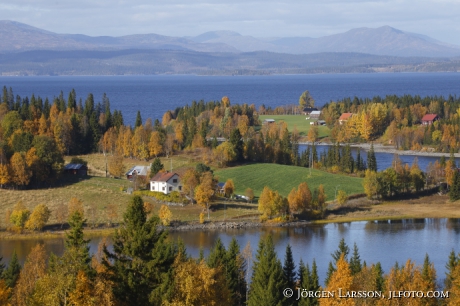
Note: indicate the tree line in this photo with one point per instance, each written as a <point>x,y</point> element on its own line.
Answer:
<point>144,267</point>
<point>36,134</point>
<point>397,119</point>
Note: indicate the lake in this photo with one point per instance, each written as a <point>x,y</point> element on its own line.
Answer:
<point>384,160</point>
<point>384,241</point>
<point>154,95</point>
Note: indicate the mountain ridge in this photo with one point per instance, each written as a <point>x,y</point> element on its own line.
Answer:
<point>385,40</point>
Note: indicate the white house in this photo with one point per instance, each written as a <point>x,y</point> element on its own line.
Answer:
<point>165,182</point>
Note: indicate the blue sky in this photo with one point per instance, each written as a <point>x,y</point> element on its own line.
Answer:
<point>435,18</point>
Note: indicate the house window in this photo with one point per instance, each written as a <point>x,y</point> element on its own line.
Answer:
<point>174,180</point>
<point>180,187</point>
<point>170,188</point>
<point>163,188</point>
<point>153,187</point>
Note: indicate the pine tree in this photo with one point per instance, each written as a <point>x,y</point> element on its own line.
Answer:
<point>142,259</point>
<point>371,160</point>
<point>355,261</point>
<point>268,282</point>
<point>289,268</point>
<point>11,273</point>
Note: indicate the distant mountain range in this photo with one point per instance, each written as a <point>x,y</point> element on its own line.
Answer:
<point>26,50</point>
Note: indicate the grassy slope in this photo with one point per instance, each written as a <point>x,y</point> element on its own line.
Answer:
<point>284,178</point>
<point>302,124</point>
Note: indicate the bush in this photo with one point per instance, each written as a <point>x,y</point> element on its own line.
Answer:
<point>173,197</point>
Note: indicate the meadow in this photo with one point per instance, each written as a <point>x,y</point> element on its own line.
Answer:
<point>283,178</point>
<point>303,125</point>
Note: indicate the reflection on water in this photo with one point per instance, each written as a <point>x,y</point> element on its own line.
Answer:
<point>385,241</point>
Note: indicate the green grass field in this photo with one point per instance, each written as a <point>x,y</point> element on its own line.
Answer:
<point>284,178</point>
<point>302,124</point>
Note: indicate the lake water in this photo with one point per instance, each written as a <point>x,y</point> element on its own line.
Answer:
<point>153,95</point>
<point>384,241</point>
<point>384,160</point>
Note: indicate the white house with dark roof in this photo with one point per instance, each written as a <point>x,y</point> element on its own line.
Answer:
<point>165,182</point>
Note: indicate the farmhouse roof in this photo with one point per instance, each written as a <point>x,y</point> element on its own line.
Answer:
<point>429,117</point>
<point>345,116</point>
<point>316,112</point>
<point>162,176</point>
<point>310,109</point>
<point>140,170</point>
<point>74,166</point>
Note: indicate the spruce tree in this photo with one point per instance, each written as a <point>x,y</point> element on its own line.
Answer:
<point>379,279</point>
<point>450,266</point>
<point>301,273</point>
<point>217,255</point>
<point>236,271</point>
<point>330,271</point>
<point>268,281</point>
<point>343,249</point>
<point>11,273</point>
<point>429,273</point>
<point>314,279</point>
<point>156,167</point>
<point>138,120</point>
<point>454,193</point>
<point>77,245</point>
<point>355,261</point>
<point>237,143</point>
<point>371,160</point>
<point>141,261</point>
<point>310,282</point>
<point>75,237</point>
<point>305,283</point>
<point>289,268</point>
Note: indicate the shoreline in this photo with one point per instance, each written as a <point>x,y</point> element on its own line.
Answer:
<point>390,149</point>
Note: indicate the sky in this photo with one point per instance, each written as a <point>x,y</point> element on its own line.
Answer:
<point>307,18</point>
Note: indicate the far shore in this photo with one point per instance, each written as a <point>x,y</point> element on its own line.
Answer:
<point>389,149</point>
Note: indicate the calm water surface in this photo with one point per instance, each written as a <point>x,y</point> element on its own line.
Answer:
<point>384,241</point>
<point>384,160</point>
